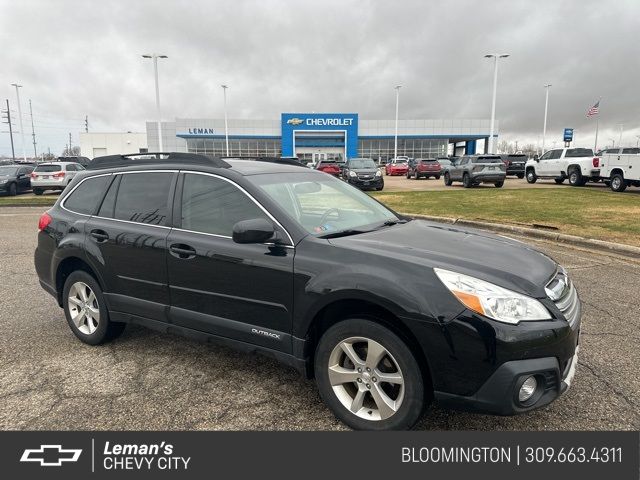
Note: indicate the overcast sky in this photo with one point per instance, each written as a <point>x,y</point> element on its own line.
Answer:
<point>77,58</point>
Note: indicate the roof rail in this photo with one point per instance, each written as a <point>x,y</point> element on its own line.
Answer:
<point>154,158</point>
<point>282,160</point>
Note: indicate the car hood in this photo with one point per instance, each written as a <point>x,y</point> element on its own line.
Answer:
<point>500,260</point>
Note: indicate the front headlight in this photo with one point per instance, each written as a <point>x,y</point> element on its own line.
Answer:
<point>378,173</point>
<point>352,174</point>
<point>491,300</point>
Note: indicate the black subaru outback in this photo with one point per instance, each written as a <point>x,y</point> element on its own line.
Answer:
<point>387,313</point>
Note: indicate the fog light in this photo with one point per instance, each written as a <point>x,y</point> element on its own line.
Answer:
<point>527,389</point>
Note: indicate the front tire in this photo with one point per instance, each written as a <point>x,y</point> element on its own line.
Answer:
<point>368,376</point>
<point>499,184</point>
<point>37,191</point>
<point>86,310</point>
<point>531,176</point>
<point>520,176</point>
<point>466,181</point>
<point>447,179</point>
<point>13,190</point>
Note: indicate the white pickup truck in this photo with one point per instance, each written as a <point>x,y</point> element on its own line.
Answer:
<point>620,167</point>
<point>579,165</point>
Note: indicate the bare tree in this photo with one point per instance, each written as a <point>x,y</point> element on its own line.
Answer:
<point>71,152</point>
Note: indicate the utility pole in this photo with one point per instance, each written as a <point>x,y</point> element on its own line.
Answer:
<point>226,125</point>
<point>395,137</point>
<point>24,151</point>
<point>495,57</point>
<point>546,108</point>
<point>33,132</point>
<point>13,152</point>
<point>155,58</point>
<point>86,123</point>
<point>621,129</point>
<point>69,150</point>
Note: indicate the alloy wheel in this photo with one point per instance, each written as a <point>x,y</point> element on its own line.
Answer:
<point>83,308</point>
<point>366,379</point>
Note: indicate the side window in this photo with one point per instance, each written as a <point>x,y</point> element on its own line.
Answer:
<point>85,197</point>
<point>547,155</point>
<point>213,205</point>
<point>109,202</point>
<point>142,197</point>
<point>71,168</point>
<point>555,154</point>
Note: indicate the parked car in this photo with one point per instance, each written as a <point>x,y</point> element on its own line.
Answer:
<point>397,166</point>
<point>329,166</point>
<point>84,161</point>
<point>515,163</point>
<point>475,169</point>
<point>424,168</point>
<point>620,168</point>
<point>579,165</point>
<point>53,176</point>
<point>363,173</point>
<point>15,179</point>
<point>385,312</point>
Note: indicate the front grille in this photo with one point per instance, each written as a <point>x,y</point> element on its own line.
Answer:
<point>365,177</point>
<point>561,290</point>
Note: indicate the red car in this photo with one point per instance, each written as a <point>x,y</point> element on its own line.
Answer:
<point>396,167</point>
<point>424,168</point>
<point>332,168</point>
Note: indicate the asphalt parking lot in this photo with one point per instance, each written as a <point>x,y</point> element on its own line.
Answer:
<point>147,380</point>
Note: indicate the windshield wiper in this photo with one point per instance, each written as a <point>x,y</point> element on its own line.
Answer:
<point>390,223</point>
<point>343,233</point>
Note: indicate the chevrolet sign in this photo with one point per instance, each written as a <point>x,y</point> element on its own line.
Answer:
<point>295,121</point>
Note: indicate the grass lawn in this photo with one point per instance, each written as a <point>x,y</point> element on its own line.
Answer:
<point>587,212</point>
<point>44,200</point>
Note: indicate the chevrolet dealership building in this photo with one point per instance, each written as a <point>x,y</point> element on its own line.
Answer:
<point>322,136</point>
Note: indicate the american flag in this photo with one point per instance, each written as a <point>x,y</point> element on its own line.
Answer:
<point>594,110</point>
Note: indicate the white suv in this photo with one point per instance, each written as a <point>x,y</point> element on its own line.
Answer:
<point>53,176</point>
<point>579,165</point>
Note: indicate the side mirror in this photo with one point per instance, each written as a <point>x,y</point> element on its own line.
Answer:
<point>256,230</point>
<point>536,158</point>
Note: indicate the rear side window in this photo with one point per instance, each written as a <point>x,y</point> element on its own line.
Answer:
<point>71,168</point>
<point>142,197</point>
<point>213,205</point>
<point>579,152</point>
<point>631,150</point>
<point>85,197</point>
<point>48,168</point>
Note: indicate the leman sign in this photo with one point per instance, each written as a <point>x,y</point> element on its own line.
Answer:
<point>200,131</point>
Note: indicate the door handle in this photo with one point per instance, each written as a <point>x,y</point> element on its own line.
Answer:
<point>100,235</point>
<point>182,251</point>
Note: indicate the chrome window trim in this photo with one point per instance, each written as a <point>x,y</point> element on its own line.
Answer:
<point>175,228</point>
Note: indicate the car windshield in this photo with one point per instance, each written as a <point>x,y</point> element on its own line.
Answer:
<point>8,170</point>
<point>324,205</point>
<point>579,152</point>
<point>361,163</point>
<point>487,160</point>
<point>428,161</point>
<point>444,162</point>
<point>48,168</point>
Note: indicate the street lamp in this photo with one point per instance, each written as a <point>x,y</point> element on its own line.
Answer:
<point>613,143</point>
<point>395,141</point>
<point>155,58</point>
<point>24,151</point>
<point>621,125</point>
<point>638,140</point>
<point>495,57</point>
<point>546,108</point>
<point>226,126</point>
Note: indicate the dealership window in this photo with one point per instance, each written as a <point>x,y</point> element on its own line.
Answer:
<point>250,147</point>
<point>412,147</point>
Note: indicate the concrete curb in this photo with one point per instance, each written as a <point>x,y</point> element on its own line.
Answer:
<point>611,247</point>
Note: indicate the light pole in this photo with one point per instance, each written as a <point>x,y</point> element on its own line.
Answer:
<point>546,108</point>
<point>395,141</point>
<point>495,57</point>
<point>155,58</point>
<point>613,142</point>
<point>226,125</point>
<point>621,125</point>
<point>24,151</point>
<point>638,140</point>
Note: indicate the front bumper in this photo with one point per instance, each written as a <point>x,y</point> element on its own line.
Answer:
<point>375,182</point>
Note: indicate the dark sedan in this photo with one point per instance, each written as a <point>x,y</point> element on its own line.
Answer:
<point>363,173</point>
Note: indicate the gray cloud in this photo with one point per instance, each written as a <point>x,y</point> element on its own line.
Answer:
<point>79,58</point>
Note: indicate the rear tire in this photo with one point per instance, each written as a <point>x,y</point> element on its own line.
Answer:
<point>447,179</point>
<point>86,310</point>
<point>531,176</point>
<point>618,184</point>
<point>37,191</point>
<point>343,356</point>
<point>499,184</point>
<point>466,181</point>
<point>520,176</point>
<point>437,177</point>
<point>559,181</point>
<point>13,190</point>
<point>575,178</point>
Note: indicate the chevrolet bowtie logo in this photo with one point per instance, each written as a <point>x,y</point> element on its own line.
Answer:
<point>50,455</point>
<point>295,121</point>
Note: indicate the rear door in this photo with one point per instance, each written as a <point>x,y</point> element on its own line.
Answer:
<point>126,242</point>
<point>239,291</point>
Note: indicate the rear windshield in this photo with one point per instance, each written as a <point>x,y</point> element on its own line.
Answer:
<point>487,160</point>
<point>48,168</point>
<point>430,160</point>
<point>579,152</point>
<point>517,155</point>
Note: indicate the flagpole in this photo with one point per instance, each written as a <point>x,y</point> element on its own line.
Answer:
<point>595,147</point>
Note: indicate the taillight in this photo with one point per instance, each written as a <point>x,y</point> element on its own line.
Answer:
<point>596,162</point>
<point>58,175</point>
<point>45,220</point>
<point>33,175</point>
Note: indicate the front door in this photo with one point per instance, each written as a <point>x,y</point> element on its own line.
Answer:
<point>126,243</point>
<point>239,291</point>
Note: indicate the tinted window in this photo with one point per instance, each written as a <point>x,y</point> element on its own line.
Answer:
<point>487,160</point>
<point>213,205</point>
<point>631,150</point>
<point>142,197</point>
<point>48,168</point>
<point>85,197</point>
<point>579,152</point>
<point>71,168</point>
<point>109,202</point>
<point>554,154</point>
